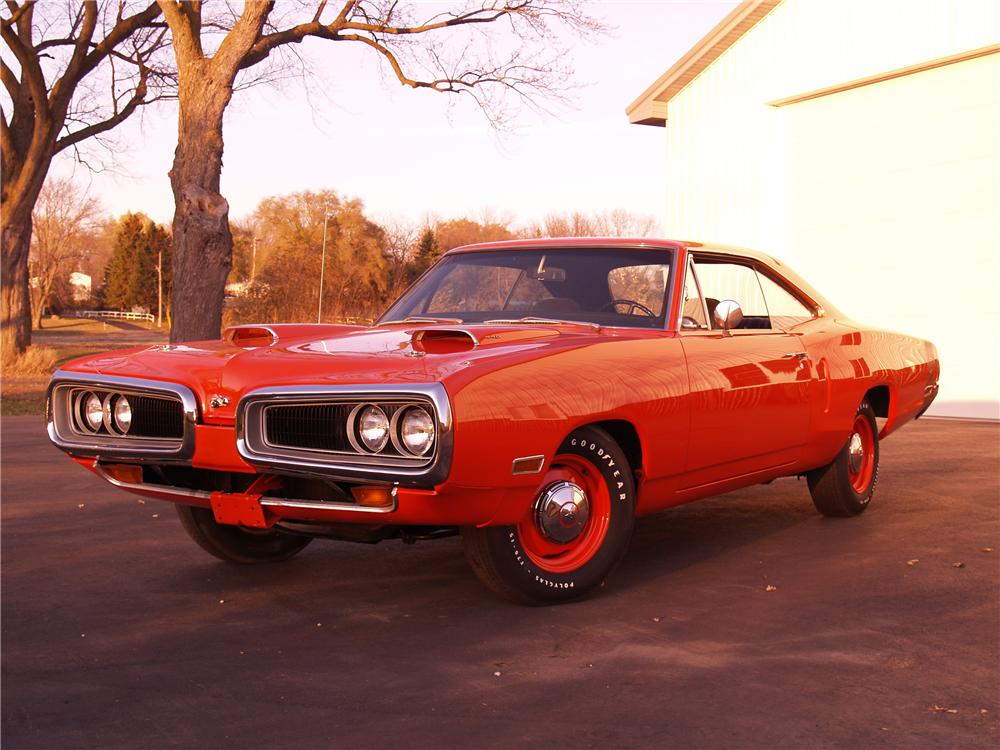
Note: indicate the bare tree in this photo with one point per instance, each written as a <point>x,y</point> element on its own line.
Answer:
<point>448,52</point>
<point>50,54</point>
<point>617,222</point>
<point>401,239</point>
<point>64,222</point>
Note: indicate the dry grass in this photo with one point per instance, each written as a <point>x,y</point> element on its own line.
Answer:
<point>24,380</point>
<point>36,360</point>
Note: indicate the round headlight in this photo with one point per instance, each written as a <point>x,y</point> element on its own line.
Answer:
<point>93,412</point>
<point>373,428</point>
<point>416,430</point>
<point>123,414</point>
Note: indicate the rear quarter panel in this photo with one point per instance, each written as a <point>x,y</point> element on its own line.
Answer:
<point>849,360</point>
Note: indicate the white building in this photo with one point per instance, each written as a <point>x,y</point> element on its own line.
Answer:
<point>82,285</point>
<point>859,141</point>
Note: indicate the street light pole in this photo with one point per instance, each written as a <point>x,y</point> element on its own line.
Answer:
<point>159,288</point>
<point>322,270</point>
<point>253,261</point>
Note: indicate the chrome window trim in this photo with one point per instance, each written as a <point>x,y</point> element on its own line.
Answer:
<point>427,471</point>
<point>164,450</point>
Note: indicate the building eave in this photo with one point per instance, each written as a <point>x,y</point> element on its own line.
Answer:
<point>650,108</point>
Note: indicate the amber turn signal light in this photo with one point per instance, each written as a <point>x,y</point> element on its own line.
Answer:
<point>127,473</point>
<point>372,497</point>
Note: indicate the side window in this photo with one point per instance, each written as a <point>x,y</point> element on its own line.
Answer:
<point>721,281</point>
<point>784,309</point>
<point>692,309</point>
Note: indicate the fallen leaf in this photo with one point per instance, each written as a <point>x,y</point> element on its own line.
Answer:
<point>986,549</point>
<point>936,709</point>
<point>140,501</point>
<point>911,563</point>
<point>656,619</point>
<point>222,601</point>
<point>156,515</point>
<point>958,565</point>
<point>319,624</point>
<point>81,505</point>
<point>769,587</point>
<point>497,674</point>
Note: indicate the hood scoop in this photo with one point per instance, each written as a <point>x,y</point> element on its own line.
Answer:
<point>443,340</point>
<point>453,340</point>
<point>250,336</point>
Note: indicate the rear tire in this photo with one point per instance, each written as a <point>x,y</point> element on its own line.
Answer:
<point>845,486</point>
<point>236,544</point>
<point>526,563</point>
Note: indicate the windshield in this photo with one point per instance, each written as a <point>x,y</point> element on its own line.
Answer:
<point>607,287</point>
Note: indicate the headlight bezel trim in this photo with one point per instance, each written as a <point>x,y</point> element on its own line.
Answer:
<point>59,415</point>
<point>404,469</point>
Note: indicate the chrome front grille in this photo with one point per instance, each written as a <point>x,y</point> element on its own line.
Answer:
<point>324,426</point>
<point>162,423</point>
<point>319,426</point>
<point>152,416</point>
<point>309,430</point>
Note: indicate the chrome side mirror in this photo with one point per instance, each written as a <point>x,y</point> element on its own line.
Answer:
<point>728,314</point>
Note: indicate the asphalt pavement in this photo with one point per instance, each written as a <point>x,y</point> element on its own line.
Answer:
<point>880,631</point>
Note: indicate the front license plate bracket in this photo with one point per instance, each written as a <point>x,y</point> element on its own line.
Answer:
<point>237,509</point>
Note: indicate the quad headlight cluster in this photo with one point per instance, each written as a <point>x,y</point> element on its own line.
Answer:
<point>102,413</point>
<point>410,429</point>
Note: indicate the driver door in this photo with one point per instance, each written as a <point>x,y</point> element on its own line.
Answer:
<point>748,387</point>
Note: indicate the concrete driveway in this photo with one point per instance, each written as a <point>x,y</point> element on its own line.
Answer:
<point>882,631</point>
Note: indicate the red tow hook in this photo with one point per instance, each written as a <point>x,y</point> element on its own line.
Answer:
<point>244,508</point>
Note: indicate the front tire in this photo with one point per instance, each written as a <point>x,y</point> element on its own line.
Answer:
<point>573,535</point>
<point>236,544</point>
<point>845,486</point>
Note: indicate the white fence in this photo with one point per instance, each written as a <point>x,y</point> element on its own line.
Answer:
<point>115,315</point>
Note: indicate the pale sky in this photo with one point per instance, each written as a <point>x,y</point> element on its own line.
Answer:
<point>407,153</point>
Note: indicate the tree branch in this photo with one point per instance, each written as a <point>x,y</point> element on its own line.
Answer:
<point>180,27</point>
<point>480,15</point>
<point>6,140</point>
<point>68,80</point>
<point>10,81</point>
<point>138,98</point>
<point>31,71</point>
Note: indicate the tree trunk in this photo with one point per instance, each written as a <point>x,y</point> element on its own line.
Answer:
<point>203,244</point>
<point>15,296</point>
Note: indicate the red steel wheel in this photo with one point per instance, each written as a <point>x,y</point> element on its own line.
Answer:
<point>844,487</point>
<point>574,532</point>
<point>582,517</point>
<point>861,454</point>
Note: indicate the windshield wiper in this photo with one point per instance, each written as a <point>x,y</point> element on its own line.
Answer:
<point>532,320</point>
<point>419,319</point>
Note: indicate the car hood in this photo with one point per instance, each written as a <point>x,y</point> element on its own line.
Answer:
<point>332,355</point>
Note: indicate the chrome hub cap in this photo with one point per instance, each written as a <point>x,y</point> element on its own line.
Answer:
<point>562,512</point>
<point>855,453</point>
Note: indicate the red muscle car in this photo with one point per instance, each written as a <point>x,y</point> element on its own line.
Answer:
<point>535,396</point>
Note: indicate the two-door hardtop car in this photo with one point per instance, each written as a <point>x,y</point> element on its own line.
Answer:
<point>534,395</point>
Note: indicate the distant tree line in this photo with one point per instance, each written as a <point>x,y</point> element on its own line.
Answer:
<point>278,257</point>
